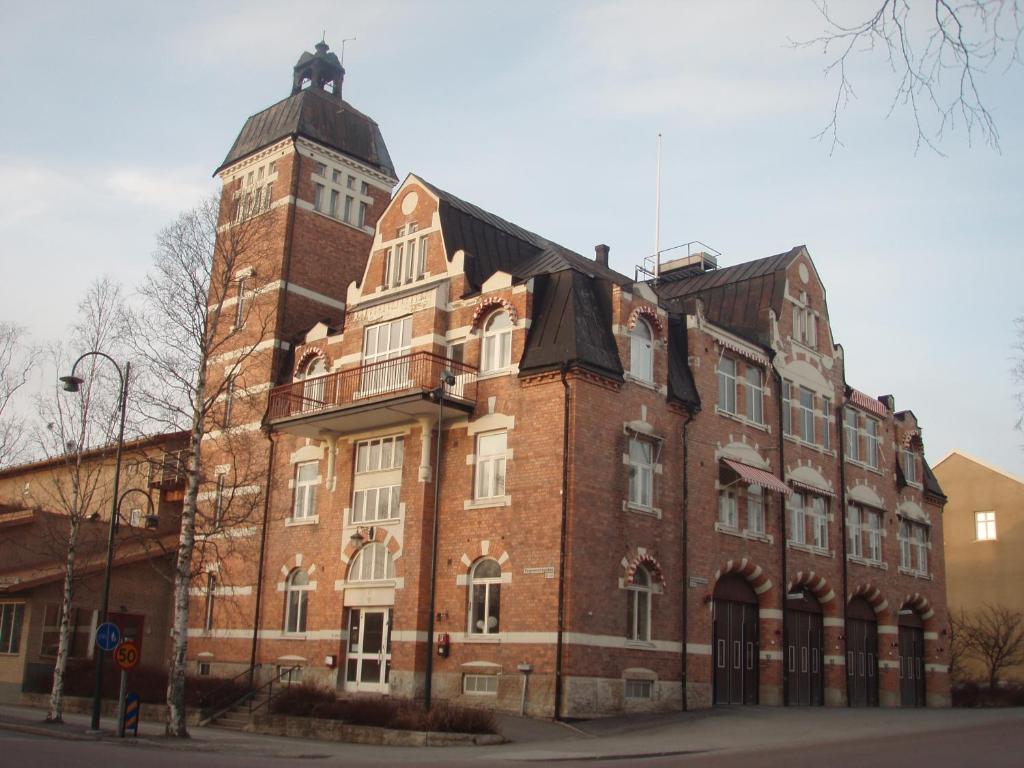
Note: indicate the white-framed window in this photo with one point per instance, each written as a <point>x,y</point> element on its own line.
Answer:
<point>920,545</point>
<point>229,401</point>
<point>480,685</point>
<point>727,384</point>
<point>296,592</point>
<point>318,197</point>
<point>826,410</point>
<point>727,515</point>
<point>874,442</point>
<point>374,562</point>
<point>641,351</point>
<point>211,587</point>
<point>638,615</point>
<point>805,323</point>
<point>377,484</point>
<point>853,530</point>
<point>407,258</point>
<point>11,617</point>
<point>819,522</point>
<point>755,510</point>
<point>333,210</point>
<point>985,526</point>
<point>240,303</point>
<point>874,530</point>
<point>313,386</point>
<point>380,454</point>
<point>485,597</point>
<point>906,555</point>
<point>320,169</point>
<point>797,518</point>
<point>218,500</point>
<point>806,410</point>
<point>851,434</point>
<point>491,460</point>
<point>641,472</point>
<point>754,395</point>
<point>390,341</point>
<point>787,407</point>
<point>375,505</point>
<point>639,689</point>
<point>254,193</point>
<point>496,343</point>
<point>909,461</point>
<point>307,478</point>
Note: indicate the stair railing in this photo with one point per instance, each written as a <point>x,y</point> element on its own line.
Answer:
<point>216,702</point>
<point>283,678</point>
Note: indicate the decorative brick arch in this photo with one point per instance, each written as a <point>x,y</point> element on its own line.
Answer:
<point>381,534</point>
<point>920,605</point>
<point>651,316</point>
<point>819,587</point>
<point>874,597</point>
<point>485,548</point>
<point>294,563</point>
<point>912,440</point>
<point>754,574</point>
<point>488,305</point>
<point>307,357</point>
<point>648,561</point>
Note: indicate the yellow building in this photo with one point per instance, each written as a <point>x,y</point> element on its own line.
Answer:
<point>984,537</point>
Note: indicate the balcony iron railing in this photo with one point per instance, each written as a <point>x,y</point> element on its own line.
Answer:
<point>381,380</point>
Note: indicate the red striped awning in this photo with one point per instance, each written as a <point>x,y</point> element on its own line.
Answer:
<point>755,476</point>
<point>868,403</point>
<point>811,488</point>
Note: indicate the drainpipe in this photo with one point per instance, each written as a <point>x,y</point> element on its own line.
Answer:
<point>446,379</point>
<point>842,502</point>
<point>562,544</point>
<point>260,565</point>
<point>783,542</point>
<point>686,559</point>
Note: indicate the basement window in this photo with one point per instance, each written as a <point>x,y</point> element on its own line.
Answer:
<point>639,689</point>
<point>480,685</point>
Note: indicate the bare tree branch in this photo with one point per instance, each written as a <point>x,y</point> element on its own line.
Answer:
<point>17,361</point>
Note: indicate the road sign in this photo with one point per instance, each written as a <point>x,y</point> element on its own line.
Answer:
<point>127,655</point>
<point>107,636</point>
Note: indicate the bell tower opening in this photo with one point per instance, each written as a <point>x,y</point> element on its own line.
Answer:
<point>321,70</point>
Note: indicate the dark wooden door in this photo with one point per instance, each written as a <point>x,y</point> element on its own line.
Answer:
<point>861,654</point>
<point>735,652</point>
<point>911,663</point>
<point>803,643</point>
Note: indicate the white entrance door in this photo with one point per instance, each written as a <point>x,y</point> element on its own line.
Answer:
<point>369,650</point>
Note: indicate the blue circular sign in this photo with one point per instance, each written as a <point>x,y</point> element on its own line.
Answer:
<point>108,636</point>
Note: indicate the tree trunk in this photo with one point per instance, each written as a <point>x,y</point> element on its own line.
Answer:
<point>56,713</point>
<point>176,722</point>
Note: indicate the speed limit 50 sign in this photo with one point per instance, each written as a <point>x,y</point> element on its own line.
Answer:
<point>127,655</point>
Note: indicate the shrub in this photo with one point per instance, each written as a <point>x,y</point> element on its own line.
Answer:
<point>974,694</point>
<point>301,700</point>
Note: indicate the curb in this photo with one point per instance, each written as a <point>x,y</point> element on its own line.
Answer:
<point>38,730</point>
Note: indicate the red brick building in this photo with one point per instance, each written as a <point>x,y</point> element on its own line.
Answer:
<point>645,495</point>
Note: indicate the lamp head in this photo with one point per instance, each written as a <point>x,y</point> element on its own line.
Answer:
<point>357,539</point>
<point>71,383</point>
<point>448,378</point>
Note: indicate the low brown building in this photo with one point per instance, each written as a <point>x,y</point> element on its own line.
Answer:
<point>984,521</point>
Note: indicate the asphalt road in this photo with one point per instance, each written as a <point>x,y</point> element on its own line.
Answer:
<point>996,745</point>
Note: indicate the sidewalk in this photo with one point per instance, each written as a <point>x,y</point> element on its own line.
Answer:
<point>720,730</point>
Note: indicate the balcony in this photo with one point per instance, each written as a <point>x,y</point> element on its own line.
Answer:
<point>168,471</point>
<point>374,395</point>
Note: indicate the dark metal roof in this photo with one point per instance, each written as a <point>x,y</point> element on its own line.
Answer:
<point>316,115</point>
<point>737,298</point>
<point>681,386</point>
<point>571,325</point>
<point>931,483</point>
<point>492,244</point>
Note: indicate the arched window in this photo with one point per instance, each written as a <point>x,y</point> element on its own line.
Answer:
<point>485,597</point>
<point>638,616</point>
<point>372,563</point>
<point>641,351</point>
<point>296,592</point>
<point>496,352</point>
<point>313,388</point>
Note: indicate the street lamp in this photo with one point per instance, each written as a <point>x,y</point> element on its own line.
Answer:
<point>73,383</point>
<point>447,379</point>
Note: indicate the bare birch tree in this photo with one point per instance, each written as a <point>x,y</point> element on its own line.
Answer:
<point>17,361</point>
<point>201,321</point>
<point>993,635</point>
<point>938,51</point>
<point>70,425</point>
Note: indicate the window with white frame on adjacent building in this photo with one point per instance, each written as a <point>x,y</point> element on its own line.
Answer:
<point>490,465</point>
<point>908,461</point>
<point>296,591</point>
<point>755,510</point>
<point>728,516</point>
<point>639,689</point>
<point>255,191</point>
<point>211,587</point>
<point>787,407</point>
<point>819,522</point>
<point>218,499</point>
<point>480,685</point>
<point>407,257</point>
<point>985,526</point>
<point>873,442</point>
<point>377,484</point>
<point>240,302</point>
<point>805,323</point>
<point>738,502</point>
<point>496,343</point>
<point>386,347</point>
<point>853,531</point>
<point>864,531</point>
<point>873,520</point>
<point>641,351</point>
<point>806,411</point>
<point>374,562</point>
<point>638,606</point>
<point>727,384</point>
<point>319,195</point>
<point>851,434</point>
<point>641,472</point>
<point>307,478</point>
<point>808,511</point>
<point>485,597</point>
<point>754,394</point>
<point>826,428</point>
<point>913,540</point>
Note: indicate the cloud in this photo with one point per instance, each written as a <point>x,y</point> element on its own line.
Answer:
<point>162,190</point>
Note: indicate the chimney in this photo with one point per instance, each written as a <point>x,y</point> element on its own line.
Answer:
<point>888,401</point>
<point>601,254</point>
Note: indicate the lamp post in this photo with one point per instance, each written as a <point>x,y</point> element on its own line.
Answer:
<point>73,383</point>
<point>447,379</point>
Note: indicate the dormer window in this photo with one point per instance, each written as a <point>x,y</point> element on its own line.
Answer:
<point>641,351</point>
<point>407,258</point>
<point>496,349</point>
<point>805,323</point>
<point>909,462</point>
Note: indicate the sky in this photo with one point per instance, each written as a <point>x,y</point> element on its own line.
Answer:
<point>115,115</point>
